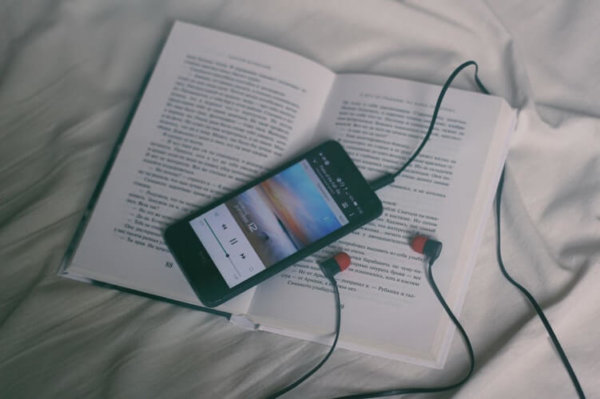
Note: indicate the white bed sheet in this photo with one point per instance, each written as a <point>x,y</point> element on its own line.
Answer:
<point>69,73</point>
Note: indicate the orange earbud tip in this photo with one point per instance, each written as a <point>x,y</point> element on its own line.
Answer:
<point>418,244</point>
<point>343,260</point>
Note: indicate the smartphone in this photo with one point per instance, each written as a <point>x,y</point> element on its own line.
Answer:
<point>271,223</point>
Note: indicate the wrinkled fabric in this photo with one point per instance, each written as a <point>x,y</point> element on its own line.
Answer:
<point>69,75</point>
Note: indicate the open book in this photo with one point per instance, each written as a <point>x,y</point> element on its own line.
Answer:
<point>220,110</point>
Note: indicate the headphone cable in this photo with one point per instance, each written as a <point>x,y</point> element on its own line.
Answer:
<point>530,298</point>
<point>386,180</point>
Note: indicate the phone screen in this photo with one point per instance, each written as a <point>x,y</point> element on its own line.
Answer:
<point>277,217</point>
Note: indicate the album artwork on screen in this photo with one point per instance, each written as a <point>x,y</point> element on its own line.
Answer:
<point>219,111</point>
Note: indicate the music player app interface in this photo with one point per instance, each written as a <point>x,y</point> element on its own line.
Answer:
<point>276,218</point>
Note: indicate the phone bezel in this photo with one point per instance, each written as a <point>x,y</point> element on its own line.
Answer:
<point>202,273</point>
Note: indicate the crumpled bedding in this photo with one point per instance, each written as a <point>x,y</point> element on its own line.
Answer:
<point>69,75</point>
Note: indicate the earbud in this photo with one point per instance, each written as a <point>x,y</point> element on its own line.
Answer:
<point>336,264</point>
<point>426,246</point>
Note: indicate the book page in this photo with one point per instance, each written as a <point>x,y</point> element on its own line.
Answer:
<point>388,306</point>
<point>218,111</point>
